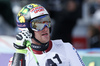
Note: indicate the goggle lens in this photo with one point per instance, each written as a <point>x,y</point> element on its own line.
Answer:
<point>41,22</point>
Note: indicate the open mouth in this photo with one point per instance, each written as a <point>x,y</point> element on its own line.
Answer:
<point>44,34</point>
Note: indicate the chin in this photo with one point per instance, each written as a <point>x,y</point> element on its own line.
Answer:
<point>45,41</point>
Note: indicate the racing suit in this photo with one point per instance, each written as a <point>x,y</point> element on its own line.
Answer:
<point>57,54</point>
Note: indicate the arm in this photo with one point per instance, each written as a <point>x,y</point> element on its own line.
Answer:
<point>73,55</point>
<point>20,45</point>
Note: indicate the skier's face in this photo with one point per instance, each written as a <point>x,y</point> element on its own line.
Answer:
<point>43,35</point>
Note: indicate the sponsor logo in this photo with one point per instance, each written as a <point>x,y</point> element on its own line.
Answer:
<point>19,37</point>
<point>22,19</point>
<point>21,25</point>
<point>35,46</point>
<point>34,5</point>
<point>37,9</point>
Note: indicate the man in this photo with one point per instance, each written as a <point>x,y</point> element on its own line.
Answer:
<point>34,22</point>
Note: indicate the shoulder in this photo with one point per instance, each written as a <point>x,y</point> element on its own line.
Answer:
<point>65,46</point>
<point>61,43</point>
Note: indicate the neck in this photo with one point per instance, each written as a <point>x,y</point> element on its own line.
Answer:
<point>37,43</point>
<point>37,49</point>
<point>34,42</point>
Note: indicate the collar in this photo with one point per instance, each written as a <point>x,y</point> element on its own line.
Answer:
<point>40,49</point>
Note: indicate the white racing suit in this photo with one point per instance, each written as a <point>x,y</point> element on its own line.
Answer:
<point>58,54</point>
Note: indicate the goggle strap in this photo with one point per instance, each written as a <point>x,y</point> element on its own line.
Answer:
<point>38,16</point>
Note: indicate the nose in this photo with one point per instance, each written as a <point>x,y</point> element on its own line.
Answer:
<point>45,28</point>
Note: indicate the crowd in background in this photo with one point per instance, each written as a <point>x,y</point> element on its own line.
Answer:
<point>66,15</point>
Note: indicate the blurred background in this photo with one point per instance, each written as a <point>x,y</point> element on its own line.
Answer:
<point>74,21</point>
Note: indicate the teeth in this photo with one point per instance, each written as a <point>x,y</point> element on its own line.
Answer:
<point>44,34</point>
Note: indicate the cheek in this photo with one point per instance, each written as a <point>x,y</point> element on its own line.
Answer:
<point>37,35</point>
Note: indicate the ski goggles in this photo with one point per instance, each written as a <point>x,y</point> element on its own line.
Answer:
<point>39,23</point>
